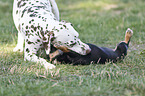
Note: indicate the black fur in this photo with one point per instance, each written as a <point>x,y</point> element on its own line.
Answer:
<point>97,55</point>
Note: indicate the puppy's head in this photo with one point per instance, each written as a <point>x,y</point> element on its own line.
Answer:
<point>67,39</point>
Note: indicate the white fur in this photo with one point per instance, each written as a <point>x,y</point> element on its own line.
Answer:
<point>35,21</point>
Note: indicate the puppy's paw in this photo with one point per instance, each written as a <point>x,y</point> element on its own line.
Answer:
<point>128,35</point>
<point>129,32</point>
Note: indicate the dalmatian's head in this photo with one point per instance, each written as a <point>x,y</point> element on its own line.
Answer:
<point>67,39</point>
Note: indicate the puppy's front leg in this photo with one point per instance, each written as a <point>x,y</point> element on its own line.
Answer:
<point>30,55</point>
<point>55,54</point>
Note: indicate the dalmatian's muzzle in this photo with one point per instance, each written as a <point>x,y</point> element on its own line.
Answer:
<point>80,48</point>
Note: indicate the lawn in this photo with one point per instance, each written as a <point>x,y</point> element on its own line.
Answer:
<point>101,22</point>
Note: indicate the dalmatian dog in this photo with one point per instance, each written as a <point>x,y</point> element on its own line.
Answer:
<point>38,25</point>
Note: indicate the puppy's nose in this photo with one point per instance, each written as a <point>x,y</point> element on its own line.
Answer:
<point>88,51</point>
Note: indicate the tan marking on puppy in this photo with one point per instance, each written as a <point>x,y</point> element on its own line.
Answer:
<point>54,54</point>
<point>128,35</point>
<point>62,48</point>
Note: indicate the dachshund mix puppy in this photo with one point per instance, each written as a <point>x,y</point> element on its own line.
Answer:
<point>97,55</point>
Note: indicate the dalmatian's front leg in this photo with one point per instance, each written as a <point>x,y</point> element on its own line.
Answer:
<point>55,9</point>
<point>20,42</point>
<point>30,54</point>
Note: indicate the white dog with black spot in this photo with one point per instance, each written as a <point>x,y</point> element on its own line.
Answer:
<point>37,22</point>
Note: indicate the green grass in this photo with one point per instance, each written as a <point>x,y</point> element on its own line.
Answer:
<point>101,22</point>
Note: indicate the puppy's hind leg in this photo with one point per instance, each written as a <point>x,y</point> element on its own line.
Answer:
<point>20,42</point>
<point>128,35</point>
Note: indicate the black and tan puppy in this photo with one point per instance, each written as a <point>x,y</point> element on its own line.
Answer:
<point>97,54</point>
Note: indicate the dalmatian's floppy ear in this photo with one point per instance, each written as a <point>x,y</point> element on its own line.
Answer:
<point>48,43</point>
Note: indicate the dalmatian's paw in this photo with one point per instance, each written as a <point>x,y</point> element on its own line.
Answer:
<point>17,48</point>
<point>49,66</point>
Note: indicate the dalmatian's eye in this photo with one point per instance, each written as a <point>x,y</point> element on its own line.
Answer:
<point>71,24</point>
<point>76,36</point>
<point>82,48</point>
<point>71,45</point>
<point>59,41</point>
